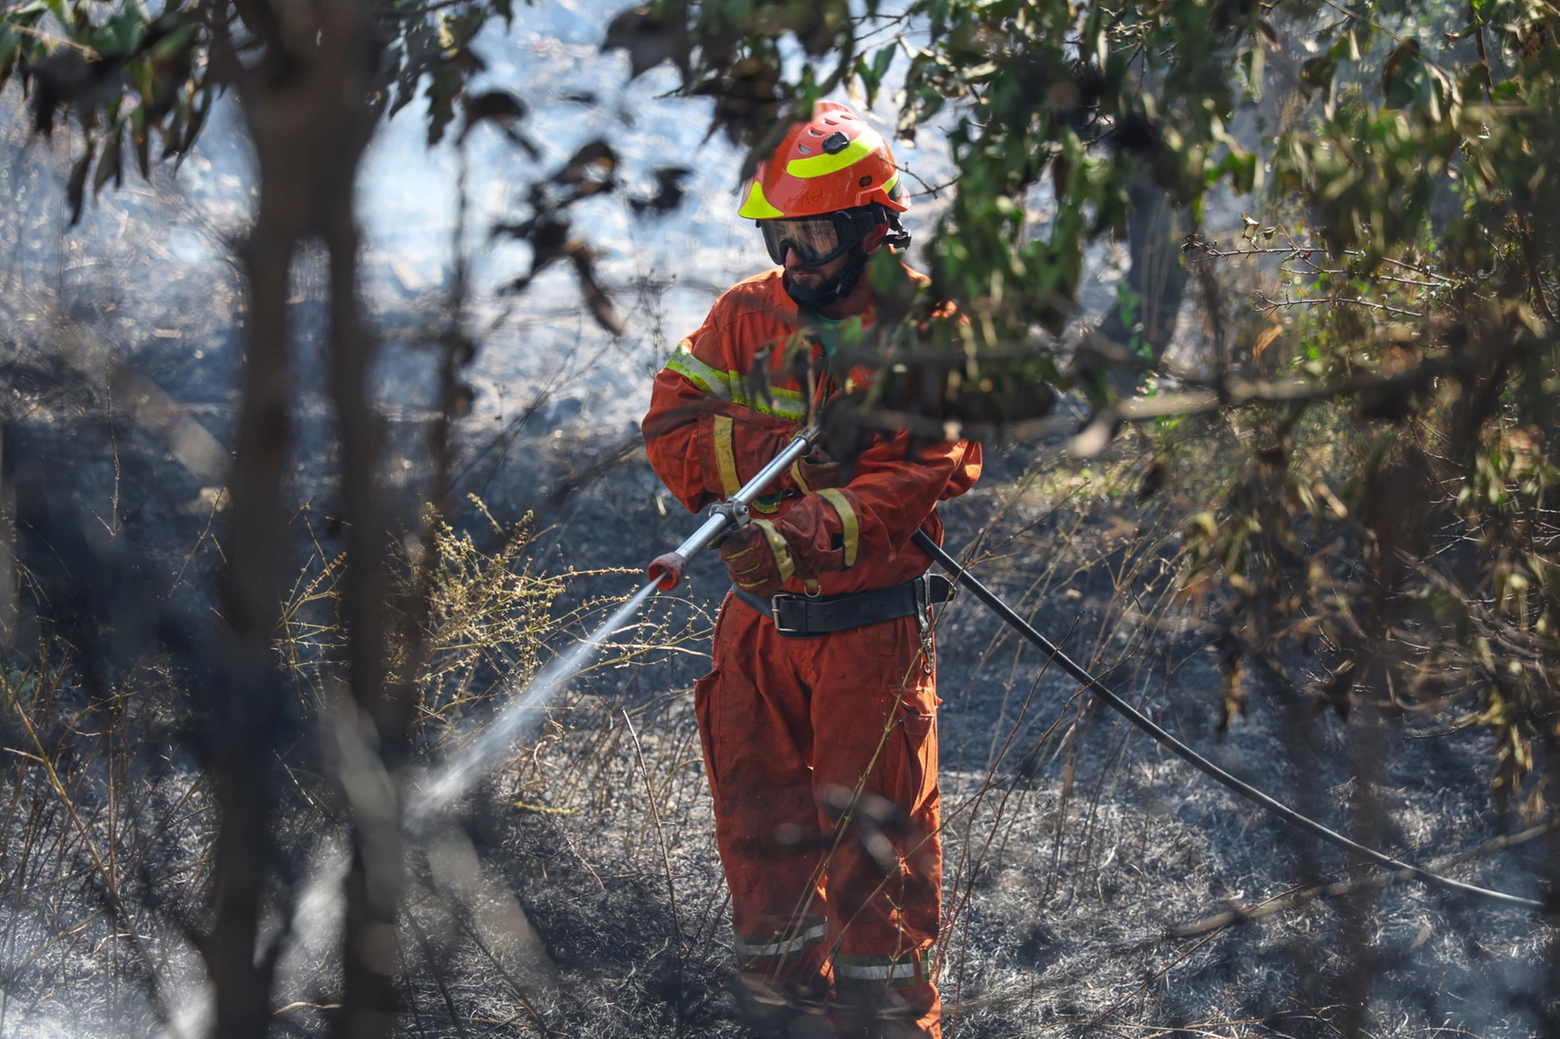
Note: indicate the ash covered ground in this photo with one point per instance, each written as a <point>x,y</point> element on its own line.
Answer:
<point>1094,884</point>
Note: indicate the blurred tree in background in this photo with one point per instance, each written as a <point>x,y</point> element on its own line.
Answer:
<point>1388,385</point>
<point>313,83</point>
<point>1399,172</point>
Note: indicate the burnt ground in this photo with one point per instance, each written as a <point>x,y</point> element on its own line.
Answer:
<point>1092,875</point>
<point>1095,883</point>
<point>1086,869</point>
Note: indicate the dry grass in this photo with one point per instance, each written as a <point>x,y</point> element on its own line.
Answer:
<point>579,893</point>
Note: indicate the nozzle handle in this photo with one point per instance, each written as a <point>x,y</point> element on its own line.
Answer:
<point>667,570</point>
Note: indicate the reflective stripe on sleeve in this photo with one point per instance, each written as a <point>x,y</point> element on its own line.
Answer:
<point>726,456</point>
<point>783,403</point>
<point>729,385</point>
<point>848,521</point>
<point>712,381</point>
<point>785,944</point>
<point>906,969</point>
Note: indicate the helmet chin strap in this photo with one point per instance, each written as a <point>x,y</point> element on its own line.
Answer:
<point>843,285</point>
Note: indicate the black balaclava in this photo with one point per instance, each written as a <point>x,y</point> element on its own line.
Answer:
<point>843,285</point>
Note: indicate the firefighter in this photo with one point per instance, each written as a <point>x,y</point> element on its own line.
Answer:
<point>818,717</point>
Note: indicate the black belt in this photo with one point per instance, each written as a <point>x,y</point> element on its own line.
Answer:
<point>805,617</point>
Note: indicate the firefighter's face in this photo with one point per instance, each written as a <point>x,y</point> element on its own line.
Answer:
<point>809,276</point>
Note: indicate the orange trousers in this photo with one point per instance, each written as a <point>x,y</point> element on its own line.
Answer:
<point>822,759</point>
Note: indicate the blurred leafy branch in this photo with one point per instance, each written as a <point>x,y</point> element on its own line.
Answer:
<point>141,84</point>
<point>1386,534</point>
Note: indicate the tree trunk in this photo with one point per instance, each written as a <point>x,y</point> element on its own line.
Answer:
<point>245,713</point>
<point>1156,282</point>
<point>311,117</point>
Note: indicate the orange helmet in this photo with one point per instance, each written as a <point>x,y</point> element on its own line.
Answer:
<point>833,161</point>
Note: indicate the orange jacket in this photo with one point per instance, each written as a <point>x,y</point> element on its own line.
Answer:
<point>709,430</point>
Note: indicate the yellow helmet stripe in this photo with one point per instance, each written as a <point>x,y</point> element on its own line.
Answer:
<point>868,141</point>
<point>757,207</point>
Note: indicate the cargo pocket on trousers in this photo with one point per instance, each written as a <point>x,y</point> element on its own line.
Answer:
<point>920,735</point>
<point>704,707</point>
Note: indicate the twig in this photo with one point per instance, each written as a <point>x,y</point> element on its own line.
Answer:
<point>1267,305</point>
<point>438,975</point>
<point>655,813</point>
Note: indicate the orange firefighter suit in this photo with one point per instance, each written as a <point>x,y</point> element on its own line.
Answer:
<point>821,753</point>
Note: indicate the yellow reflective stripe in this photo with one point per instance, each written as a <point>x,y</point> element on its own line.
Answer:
<point>726,456</point>
<point>784,403</point>
<point>888,185</point>
<point>711,380</point>
<point>778,546</point>
<point>779,406</point>
<point>822,165</point>
<point>790,397</point>
<point>848,521</point>
<point>756,206</point>
<point>796,477</point>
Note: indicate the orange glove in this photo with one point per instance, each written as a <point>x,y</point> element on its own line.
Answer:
<point>818,535</point>
<point>757,558</point>
<point>816,471</point>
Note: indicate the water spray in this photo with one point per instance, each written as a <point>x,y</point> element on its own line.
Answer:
<point>492,745</point>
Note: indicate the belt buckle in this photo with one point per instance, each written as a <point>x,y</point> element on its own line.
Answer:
<point>777,602</point>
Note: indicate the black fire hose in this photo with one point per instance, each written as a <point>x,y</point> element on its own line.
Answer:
<point>1190,756</point>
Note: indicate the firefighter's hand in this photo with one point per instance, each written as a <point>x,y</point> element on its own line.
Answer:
<point>816,471</point>
<point>757,558</point>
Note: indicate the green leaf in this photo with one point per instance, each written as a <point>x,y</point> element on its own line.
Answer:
<point>445,86</point>
<point>76,187</point>
<point>871,73</point>
<point>9,46</point>
<point>1240,167</point>
<point>175,43</point>
<point>142,139</point>
<point>112,163</point>
<point>121,34</point>
<point>141,79</point>
<point>883,59</point>
<point>1317,73</point>
<point>1398,74</point>
<point>1507,91</point>
<point>869,82</point>
<point>197,121</point>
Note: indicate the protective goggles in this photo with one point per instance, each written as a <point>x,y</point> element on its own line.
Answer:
<point>819,239</point>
